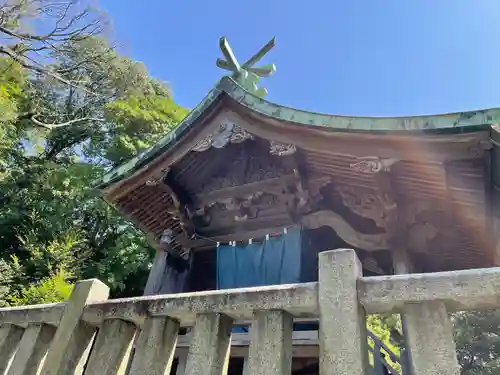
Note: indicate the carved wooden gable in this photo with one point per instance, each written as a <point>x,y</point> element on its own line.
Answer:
<point>249,184</point>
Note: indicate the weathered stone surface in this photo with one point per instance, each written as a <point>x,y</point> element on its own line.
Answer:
<point>342,334</point>
<point>10,336</point>
<point>298,299</point>
<point>32,349</point>
<point>430,339</point>
<point>49,313</point>
<point>270,350</point>
<point>73,336</point>
<point>460,290</point>
<point>155,348</point>
<point>111,350</point>
<point>210,345</point>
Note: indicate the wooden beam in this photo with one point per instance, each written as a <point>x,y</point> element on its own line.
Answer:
<point>240,191</point>
<point>367,242</point>
<point>204,244</point>
<point>182,204</point>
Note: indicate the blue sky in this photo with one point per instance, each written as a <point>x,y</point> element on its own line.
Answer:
<point>366,58</point>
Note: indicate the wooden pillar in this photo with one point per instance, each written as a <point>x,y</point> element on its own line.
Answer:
<point>270,350</point>
<point>156,273</point>
<point>401,262</point>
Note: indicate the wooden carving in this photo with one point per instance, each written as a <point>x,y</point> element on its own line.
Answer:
<point>243,208</point>
<point>244,169</point>
<point>372,164</point>
<point>363,202</point>
<point>281,149</point>
<point>229,132</point>
<point>226,133</point>
<point>426,227</point>
<point>249,183</point>
<point>155,179</point>
<point>367,242</point>
<point>180,207</point>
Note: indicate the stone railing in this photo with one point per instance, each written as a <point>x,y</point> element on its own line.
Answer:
<point>92,335</point>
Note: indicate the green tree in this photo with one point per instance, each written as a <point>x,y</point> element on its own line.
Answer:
<point>477,336</point>
<point>54,288</point>
<point>62,128</point>
<point>139,121</point>
<point>6,277</point>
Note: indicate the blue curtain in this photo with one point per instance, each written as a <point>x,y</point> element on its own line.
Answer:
<point>271,262</point>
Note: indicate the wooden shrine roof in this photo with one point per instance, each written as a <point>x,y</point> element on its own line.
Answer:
<point>452,123</point>
<point>288,167</point>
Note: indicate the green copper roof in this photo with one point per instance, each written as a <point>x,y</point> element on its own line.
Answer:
<point>454,122</point>
<point>446,123</point>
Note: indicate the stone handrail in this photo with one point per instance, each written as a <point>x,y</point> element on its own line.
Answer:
<point>61,338</point>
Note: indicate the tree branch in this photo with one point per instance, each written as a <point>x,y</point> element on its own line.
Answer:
<point>61,124</point>
<point>42,70</point>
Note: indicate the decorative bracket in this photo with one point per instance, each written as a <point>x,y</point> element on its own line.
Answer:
<point>166,240</point>
<point>158,177</point>
<point>373,164</point>
<point>363,202</point>
<point>367,242</point>
<point>281,149</point>
<point>480,147</point>
<point>226,133</point>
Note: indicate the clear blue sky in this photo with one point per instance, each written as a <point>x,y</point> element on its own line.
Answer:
<point>372,57</point>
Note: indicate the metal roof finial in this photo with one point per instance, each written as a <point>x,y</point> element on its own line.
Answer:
<point>247,75</point>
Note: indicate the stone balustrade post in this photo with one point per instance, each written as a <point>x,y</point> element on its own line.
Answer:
<point>10,336</point>
<point>342,331</point>
<point>430,339</point>
<point>112,348</point>
<point>210,344</point>
<point>70,346</point>
<point>270,351</point>
<point>155,348</point>
<point>32,349</point>
<point>181,364</point>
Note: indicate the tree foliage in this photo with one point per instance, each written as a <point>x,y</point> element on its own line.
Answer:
<point>71,107</point>
<point>477,336</point>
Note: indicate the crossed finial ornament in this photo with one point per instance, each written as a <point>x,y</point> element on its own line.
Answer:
<point>246,74</point>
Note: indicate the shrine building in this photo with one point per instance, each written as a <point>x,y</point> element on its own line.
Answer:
<point>245,192</point>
